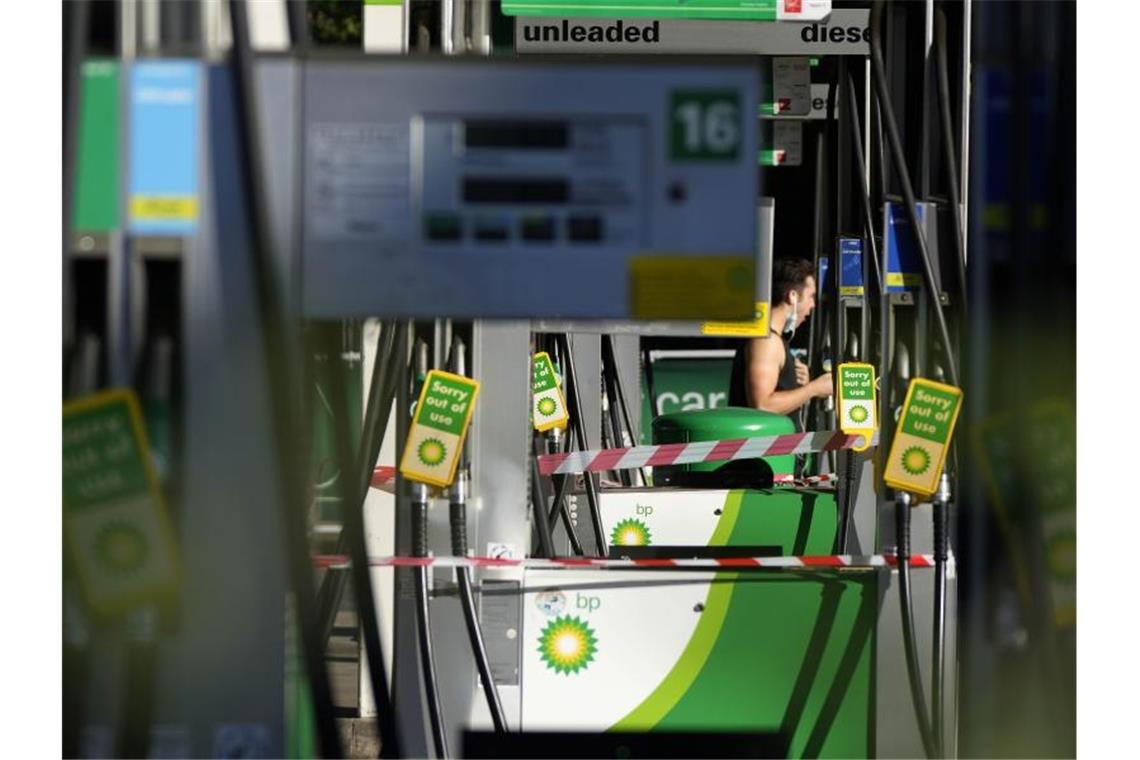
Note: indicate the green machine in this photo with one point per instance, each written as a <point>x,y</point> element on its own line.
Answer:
<point>721,424</point>
<point>788,652</point>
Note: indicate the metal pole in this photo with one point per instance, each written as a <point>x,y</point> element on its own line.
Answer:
<point>580,429</point>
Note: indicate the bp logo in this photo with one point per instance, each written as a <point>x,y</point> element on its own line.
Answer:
<point>630,532</point>
<point>916,460</point>
<point>432,451</point>
<point>121,547</point>
<point>547,407</point>
<point>858,414</point>
<point>567,644</point>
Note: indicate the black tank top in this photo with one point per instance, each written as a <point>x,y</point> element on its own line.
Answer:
<point>738,384</point>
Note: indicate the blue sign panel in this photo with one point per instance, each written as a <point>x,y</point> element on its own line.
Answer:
<point>851,267</point>
<point>904,262</point>
<point>164,113</point>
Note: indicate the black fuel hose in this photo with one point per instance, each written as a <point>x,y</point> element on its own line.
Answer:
<point>352,513</point>
<point>457,506</point>
<point>420,548</point>
<point>609,375</point>
<point>865,186</point>
<point>575,402</point>
<point>937,678</point>
<point>947,131</point>
<point>538,498</point>
<point>902,552</point>
<point>276,329</point>
<point>561,485</point>
<point>458,509</point>
<point>381,396</point>
<point>879,77</point>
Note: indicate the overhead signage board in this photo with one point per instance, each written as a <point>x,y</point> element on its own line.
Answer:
<point>739,10</point>
<point>475,188</point>
<point>163,133</point>
<point>843,32</point>
<point>117,530</point>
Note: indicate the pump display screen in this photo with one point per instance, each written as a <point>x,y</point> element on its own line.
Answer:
<point>529,189</point>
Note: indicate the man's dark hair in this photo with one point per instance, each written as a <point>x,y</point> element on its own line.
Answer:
<point>788,275</point>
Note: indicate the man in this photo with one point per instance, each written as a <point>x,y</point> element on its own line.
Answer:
<point>765,375</point>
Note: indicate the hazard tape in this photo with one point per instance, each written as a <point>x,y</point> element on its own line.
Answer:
<point>601,460</point>
<point>822,562</point>
<point>384,478</point>
<point>826,479</point>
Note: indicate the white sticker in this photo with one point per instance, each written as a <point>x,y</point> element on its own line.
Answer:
<point>360,181</point>
<point>502,551</point>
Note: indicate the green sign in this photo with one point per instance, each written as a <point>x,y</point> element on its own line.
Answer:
<point>545,378</point>
<point>683,385</point>
<point>923,437</point>
<point>549,407</point>
<point>704,125</point>
<point>115,523</point>
<point>750,10</point>
<point>856,383</point>
<point>97,159</point>
<point>930,412</point>
<point>443,412</point>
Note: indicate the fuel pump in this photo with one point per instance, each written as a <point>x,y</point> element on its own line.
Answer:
<point>931,732</point>
<point>457,363</point>
<point>420,499</point>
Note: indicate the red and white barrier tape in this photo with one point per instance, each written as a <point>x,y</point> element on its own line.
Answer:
<point>824,562</point>
<point>826,479</point>
<point>384,478</point>
<point>600,460</point>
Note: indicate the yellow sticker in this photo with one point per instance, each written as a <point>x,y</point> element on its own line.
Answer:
<point>163,208</point>
<point>922,437</point>
<point>904,280</point>
<point>115,523</point>
<point>443,413</point>
<point>692,287</point>
<point>757,328</point>
<point>857,407</point>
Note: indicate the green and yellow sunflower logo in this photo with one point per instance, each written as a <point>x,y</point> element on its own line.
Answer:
<point>546,406</point>
<point>916,460</point>
<point>630,532</point>
<point>121,547</point>
<point>432,451</point>
<point>567,644</point>
<point>858,414</point>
